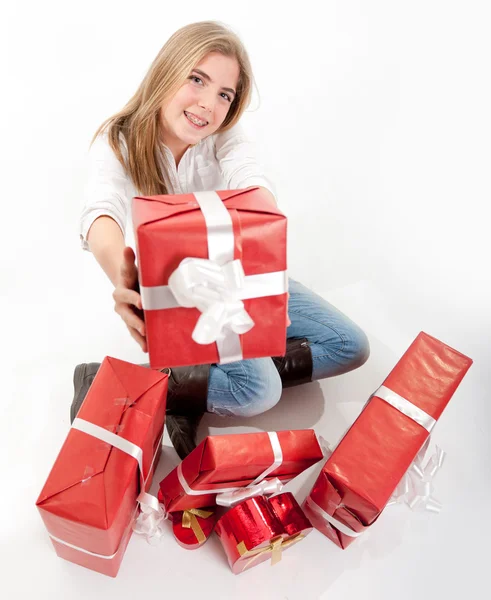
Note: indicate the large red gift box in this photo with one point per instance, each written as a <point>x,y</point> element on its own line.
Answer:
<point>239,239</point>
<point>223,463</point>
<point>365,468</point>
<point>89,500</point>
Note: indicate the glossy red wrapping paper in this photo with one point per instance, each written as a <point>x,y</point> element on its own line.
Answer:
<point>252,525</point>
<point>235,460</point>
<point>171,228</point>
<point>189,536</point>
<point>361,475</point>
<point>89,498</point>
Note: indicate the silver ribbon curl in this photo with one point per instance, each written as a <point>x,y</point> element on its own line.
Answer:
<point>214,290</point>
<point>416,487</point>
<point>150,521</point>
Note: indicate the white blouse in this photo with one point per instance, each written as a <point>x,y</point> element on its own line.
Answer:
<point>221,161</point>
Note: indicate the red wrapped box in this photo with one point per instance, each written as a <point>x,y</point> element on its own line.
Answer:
<point>258,529</point>
<point>89,500</point>
<point>360,476</point>
<point>228,300</point>
<point>193,527</point>
<point>223,463</point>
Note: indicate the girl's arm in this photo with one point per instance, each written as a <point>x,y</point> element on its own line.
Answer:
<point>102,229</point>
<point>105,241</point>
<point>108,193</point>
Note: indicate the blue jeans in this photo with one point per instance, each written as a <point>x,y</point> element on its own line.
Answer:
<point>250,387</point>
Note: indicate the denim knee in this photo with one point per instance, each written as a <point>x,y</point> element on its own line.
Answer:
<point>358,347</point>
<point>246,392</point>
<point>346,352</point>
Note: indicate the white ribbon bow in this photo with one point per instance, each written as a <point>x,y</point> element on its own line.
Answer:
<point>265,488</point>
<point>416,487</point>
<point>150,521</point>
<point>214,290</point>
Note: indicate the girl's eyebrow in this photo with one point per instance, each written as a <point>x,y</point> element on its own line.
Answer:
<point>208,78</point>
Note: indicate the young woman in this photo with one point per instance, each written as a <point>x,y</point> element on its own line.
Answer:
<point>180,133</point>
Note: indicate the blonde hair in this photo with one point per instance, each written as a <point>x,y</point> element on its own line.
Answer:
<point>138,122</point>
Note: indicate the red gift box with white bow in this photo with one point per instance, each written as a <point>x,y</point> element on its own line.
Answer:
<point>212,273</point>
<point>225,469</point>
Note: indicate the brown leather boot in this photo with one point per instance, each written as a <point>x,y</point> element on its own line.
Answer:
<point>295,367</point>
<point>83,377</point>
<point>186,405</point>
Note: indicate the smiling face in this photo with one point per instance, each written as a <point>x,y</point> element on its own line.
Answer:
<point>200,106</point>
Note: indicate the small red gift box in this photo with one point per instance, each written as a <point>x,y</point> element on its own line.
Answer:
<point>359,478</point>
<point>89,500</point>
<point>192,527</point>
<point>223,463</point>
<point>212,270</point>
<point>258,529</point>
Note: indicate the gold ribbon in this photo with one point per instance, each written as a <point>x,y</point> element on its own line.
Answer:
<point>276,547</point>
<point>189,521</point>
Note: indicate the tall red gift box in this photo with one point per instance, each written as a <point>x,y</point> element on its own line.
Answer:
<point>237,287</point>
<point>365,468</point>
<point>89,500</point>
<point>222,463</point>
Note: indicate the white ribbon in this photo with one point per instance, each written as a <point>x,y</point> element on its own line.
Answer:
<point>416,487</point>
<point>265,488</point>
<point>216,286</point>
<point>148,503</point>
<point>225,496</point>
<point>406,407</point>
<point>110,438</point>
<point>314,507</point>
<point>150,521</point>
<point>213,290</point>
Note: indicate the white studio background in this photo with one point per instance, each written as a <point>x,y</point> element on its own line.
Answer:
<point>374,124</point>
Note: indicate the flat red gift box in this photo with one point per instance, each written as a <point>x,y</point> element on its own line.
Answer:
<point>89,499</point>
<point>171,228</point>
<point>360,476</point>
<point>235,461</point>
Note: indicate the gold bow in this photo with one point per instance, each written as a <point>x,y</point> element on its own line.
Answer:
<point>189,521</point>
<point>276,546</point>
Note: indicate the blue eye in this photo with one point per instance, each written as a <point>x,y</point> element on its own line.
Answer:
<point>229,99</point>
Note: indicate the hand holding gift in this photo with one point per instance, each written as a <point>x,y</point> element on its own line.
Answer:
<point>127,299</point>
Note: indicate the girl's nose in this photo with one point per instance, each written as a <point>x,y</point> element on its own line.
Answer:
<point>207,102</point>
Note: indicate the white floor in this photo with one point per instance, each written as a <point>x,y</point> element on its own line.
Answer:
<point>406,555</point>
<point>387,193</point>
